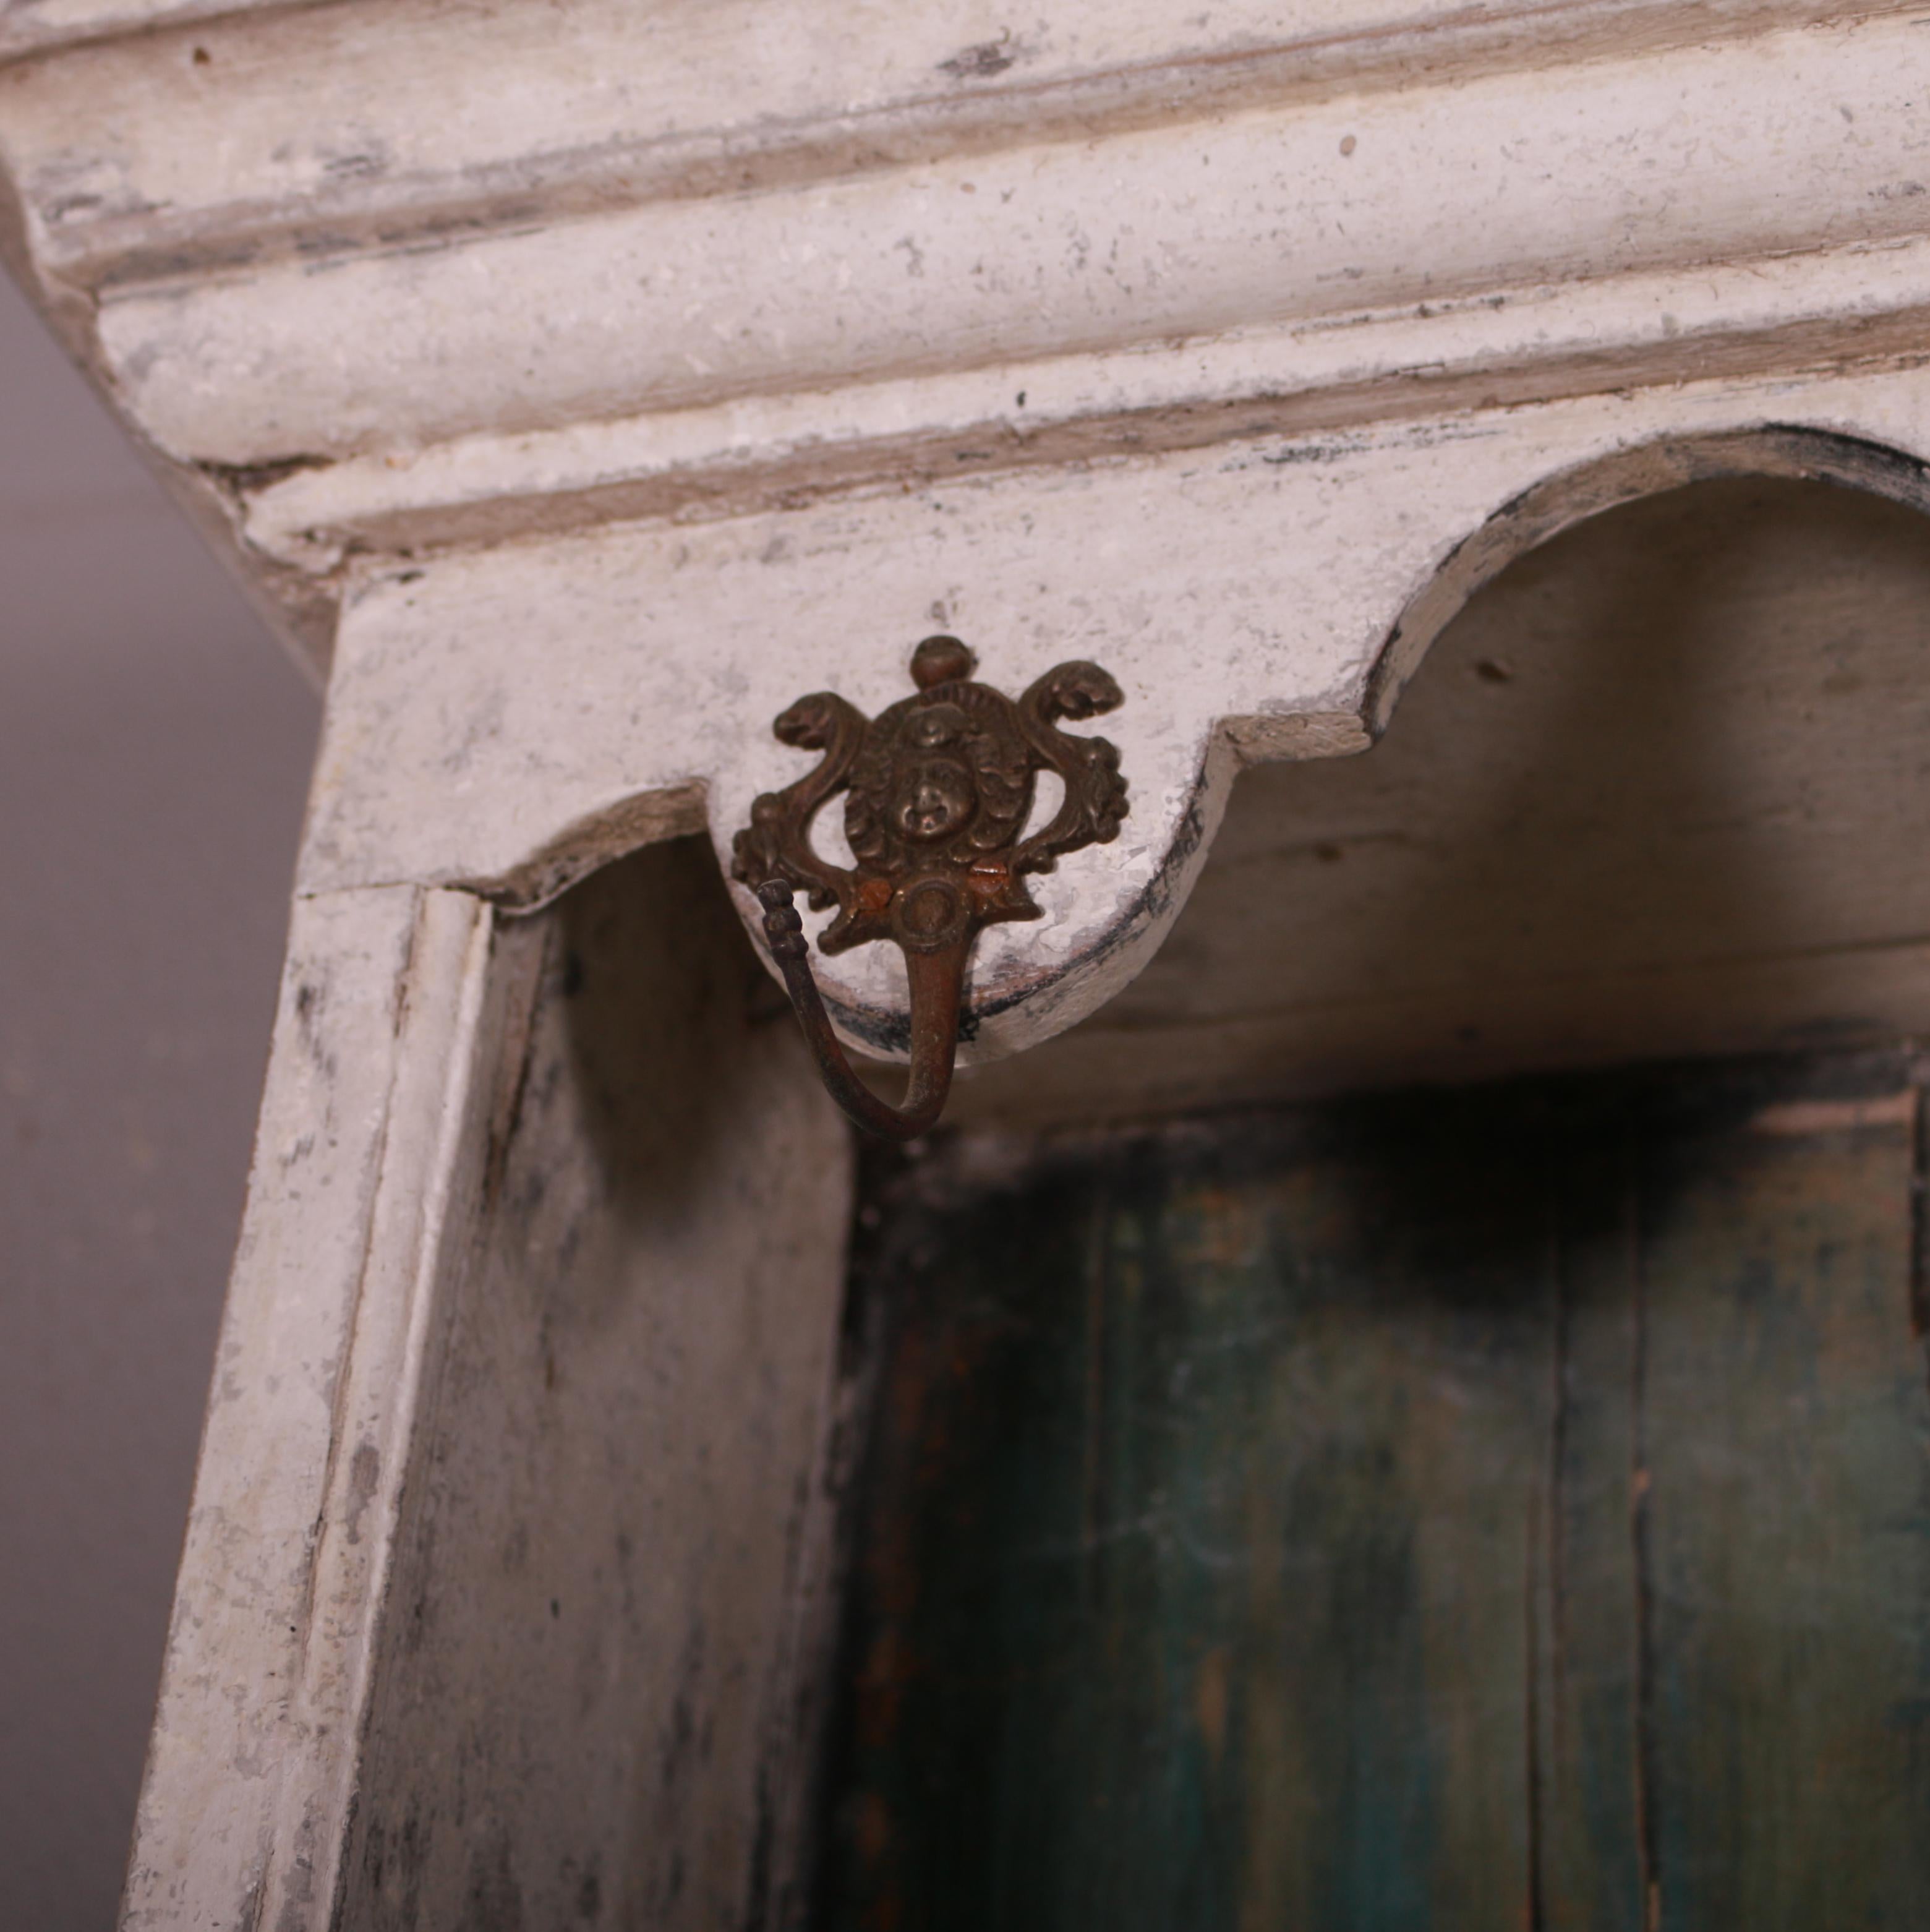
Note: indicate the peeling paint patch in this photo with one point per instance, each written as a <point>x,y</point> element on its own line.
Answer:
<point>984,59</point>
<point>364,1472</point>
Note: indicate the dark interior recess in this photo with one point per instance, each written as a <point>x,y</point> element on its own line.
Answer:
<point>1499,1497</point>
<point>1487,1507</point>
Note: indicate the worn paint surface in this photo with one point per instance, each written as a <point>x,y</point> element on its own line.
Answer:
<point>1244,602</point>
<point>596,1665</point>
<point>578,373</point>
<point>1506,1509</point>
<point>1653,794</point>
<point>507,1579</point>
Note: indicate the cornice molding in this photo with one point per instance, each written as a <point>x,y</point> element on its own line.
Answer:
<point>456,276</point>
<point>1206,351</point>
<point>344,129</point>
<point>30,27</point>
<point>1324,387</point>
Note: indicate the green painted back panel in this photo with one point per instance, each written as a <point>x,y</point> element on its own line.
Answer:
<point>1506,1510</point>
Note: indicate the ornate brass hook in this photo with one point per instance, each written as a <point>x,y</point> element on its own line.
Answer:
<point>940,786</point>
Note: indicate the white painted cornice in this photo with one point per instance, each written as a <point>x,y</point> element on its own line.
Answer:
<point>417,274</point>
<point>519,318</point>
<point>40,26</point>
<point>1339,376</point>
<point>344,125</point>
<point>725,323</point>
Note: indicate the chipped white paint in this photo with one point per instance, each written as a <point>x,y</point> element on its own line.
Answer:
<point>427,1141</point>
<point>1276,571</point>
<point>620,374</point>
<point>33,26</point>
<point>214,1802</point>
<point>759,452</point>
<point>1456,254</point>
<point>1656,794</point>
<point>327,129</point>
<point>1188,231</point>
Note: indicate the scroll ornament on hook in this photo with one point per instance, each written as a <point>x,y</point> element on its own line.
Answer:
<point>939,787</point>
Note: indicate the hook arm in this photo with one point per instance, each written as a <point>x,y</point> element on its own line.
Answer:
<point>937,983</point>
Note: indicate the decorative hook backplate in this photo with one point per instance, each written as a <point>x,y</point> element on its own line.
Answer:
<point>940,788</point>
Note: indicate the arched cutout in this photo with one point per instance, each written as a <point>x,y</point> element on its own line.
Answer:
<point>1341,624</point>
<point>1571,496</point>
<point>1656,792</point>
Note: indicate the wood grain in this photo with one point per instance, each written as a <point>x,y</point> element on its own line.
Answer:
<point>1787,1462</point>
<point>1501,1509</point>
<point>598,1661</point>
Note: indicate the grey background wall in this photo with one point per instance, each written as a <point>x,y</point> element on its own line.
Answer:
<point>154,746</point>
